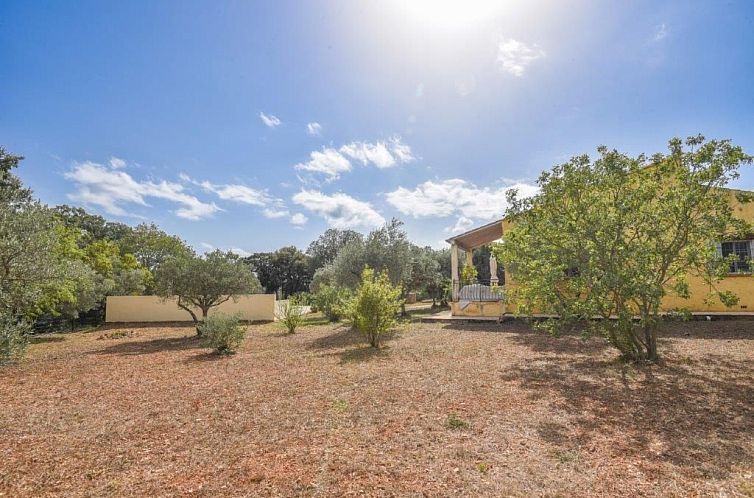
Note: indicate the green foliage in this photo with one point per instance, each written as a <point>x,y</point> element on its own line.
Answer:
<point>151,246</point>
<point>469,273</point>
<point>455,422</point>
<point>375,305</point>
<point>13,339</point>
<point>332,301</point>
<point>286,269</point>
<point>323,276</point>
<point>204,282</point>
<point>290,314</point>
<point>222,332</point>
<point>632,231</point>
<point>30,264</point>
<point>324,250</point>
<point>386,249</point>
<point>483,467</point>
<point>340,406</point>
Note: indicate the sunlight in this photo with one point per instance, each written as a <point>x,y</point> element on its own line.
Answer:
<point>450,14</point>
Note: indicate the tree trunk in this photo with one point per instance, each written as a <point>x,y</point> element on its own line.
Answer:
<point>199,332</point>
<point>650,334</point>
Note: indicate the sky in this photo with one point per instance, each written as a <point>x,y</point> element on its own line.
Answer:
<point>248,126</point>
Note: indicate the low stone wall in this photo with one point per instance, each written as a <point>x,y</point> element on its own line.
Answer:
<point>251,307</point>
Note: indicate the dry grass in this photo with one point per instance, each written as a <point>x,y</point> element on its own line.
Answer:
<point>317,413</point>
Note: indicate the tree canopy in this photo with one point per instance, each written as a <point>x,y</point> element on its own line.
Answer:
<point>203,282</point>
<point>610,238</point>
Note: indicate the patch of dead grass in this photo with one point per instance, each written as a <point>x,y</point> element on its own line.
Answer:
<point>317,413</point>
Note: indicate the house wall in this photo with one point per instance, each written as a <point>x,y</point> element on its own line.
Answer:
<point>252,307</point>
<point>740,284</point>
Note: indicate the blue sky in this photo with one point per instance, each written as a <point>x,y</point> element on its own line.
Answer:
<point>252,125</point>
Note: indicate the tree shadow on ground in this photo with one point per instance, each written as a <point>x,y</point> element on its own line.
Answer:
<point>146,325</point>
<point>698,416</point>
<point>343,336</point>
<point>43,339</point>
<point>207,357</point>
<point>151,346</point>
<point>349,345</point>
<point>362,354</point>
<point>538,340</point>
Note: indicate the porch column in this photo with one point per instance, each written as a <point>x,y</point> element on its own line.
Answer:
<point>454,271</point>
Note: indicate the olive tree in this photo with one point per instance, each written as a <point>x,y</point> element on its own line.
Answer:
<point>610,238</point>
<point>203,282</point>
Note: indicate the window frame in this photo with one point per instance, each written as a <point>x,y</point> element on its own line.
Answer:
<point>744,258</point>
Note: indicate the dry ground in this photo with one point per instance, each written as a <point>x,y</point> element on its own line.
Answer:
<point>154,414</point>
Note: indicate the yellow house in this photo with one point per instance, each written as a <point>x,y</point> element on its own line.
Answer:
<point>484,299</point>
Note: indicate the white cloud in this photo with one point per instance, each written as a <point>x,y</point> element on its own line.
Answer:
<point>463,224</point>
<point>241,252</point>
<point>275,212</point>
<point>661,32</point>
<point>270,120</point>
<point>116,163</point>
<point>455,197</point>
<point>111,189</point>
<point>313,128</point>
<point>339,210</point>
<point>332,162</point>
<point>515,56</point>
<point>235,192</point>
<point>207,246</point>
<point>299,219</point>
<point>328,162</point>
<point>366,153</point>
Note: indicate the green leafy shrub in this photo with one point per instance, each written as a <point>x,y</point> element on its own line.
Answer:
<point>374,308</point>
<point>469,273</point>
<point>455,422</point>
<point>331,301</point>
<point>224,333</point>
<point>118,334</point>
<point>290,314</point>
<point>12,339</point>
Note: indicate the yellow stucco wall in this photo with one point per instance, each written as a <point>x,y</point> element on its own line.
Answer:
<point>741,285</point>
<point>478,309</point>
<point>253,307</point>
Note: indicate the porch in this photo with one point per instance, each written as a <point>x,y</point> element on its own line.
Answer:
<point>479,296</point>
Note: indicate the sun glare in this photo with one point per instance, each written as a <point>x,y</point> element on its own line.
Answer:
<point>450,14</point>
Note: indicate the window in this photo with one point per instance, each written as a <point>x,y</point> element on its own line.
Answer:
<point>742,251</point>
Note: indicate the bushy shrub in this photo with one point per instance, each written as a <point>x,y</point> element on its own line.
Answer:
<point>290,314</point>
<point>331,301</point>
<point>222,332</point>
<point>12,339</point>
<point>374,308</point>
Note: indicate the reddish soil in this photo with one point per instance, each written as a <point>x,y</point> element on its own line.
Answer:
<point>152,413</point>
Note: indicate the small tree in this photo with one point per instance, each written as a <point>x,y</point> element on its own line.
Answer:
<point>375,306</point>
<point>204,282</point>
<point>612,237</point>
<point>12,339</point>
<point>224,333</point>
<point>331,301</point>
<point>290,314</point>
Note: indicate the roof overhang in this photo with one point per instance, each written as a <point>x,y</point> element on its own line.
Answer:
<point>478,236</point>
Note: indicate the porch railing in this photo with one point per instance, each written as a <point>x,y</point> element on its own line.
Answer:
<point>476,291</point>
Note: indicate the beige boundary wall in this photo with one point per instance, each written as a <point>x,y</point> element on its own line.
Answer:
<point>252,307</point>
